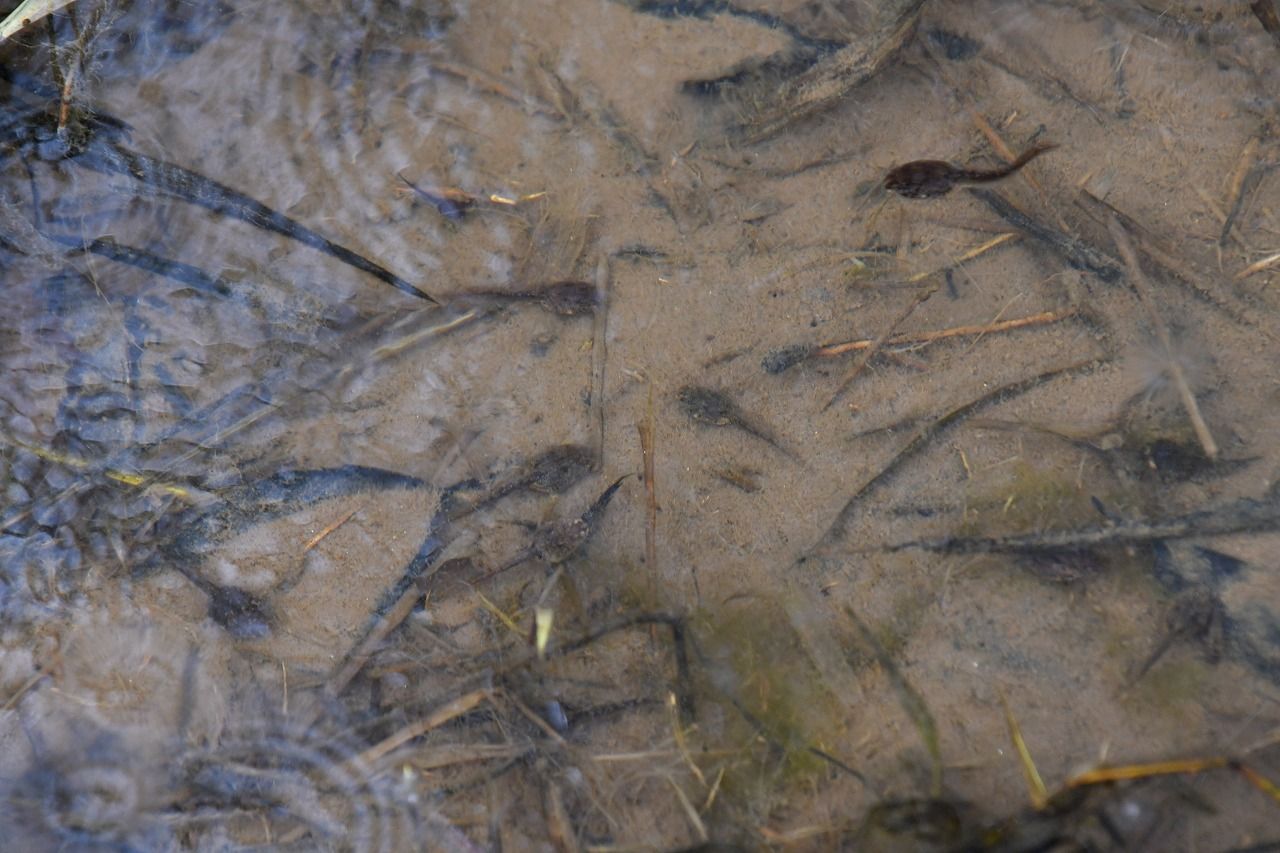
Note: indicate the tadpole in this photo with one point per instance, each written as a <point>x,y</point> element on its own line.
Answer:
<point>714,408</point>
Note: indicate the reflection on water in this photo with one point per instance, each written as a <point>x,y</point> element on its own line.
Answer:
<point>334,332</point>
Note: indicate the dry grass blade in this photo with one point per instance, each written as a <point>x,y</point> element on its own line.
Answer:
<point>1002,148</point>
<point>1128,772</point>
<point>910,699</point>
<point>677,732</point>
<point>452,755</point>
<point>401,344</point>
<point>328,529</point>
<point>29,13</point>
<point>998,240</point>
<point>1035,785</point>
<point>1262,783</point>
<point>360,654</point>
<point>695,820</point>
<point>446,712</point>
<point>1175,767</point>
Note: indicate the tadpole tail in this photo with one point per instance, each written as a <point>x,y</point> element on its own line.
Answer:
<point>592,516</point>
<point>1023,159</point>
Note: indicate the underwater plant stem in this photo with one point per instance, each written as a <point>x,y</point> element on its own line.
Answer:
<point>599,352</point>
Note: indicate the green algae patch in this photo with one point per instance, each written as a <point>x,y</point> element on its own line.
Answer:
<point>759,672</point>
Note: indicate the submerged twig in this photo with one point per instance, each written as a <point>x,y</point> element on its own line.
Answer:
<point>923,436</point>
<point>448,711</point>
<point>976,251</point>
<point>187,274</point>
<point>787,357</point>
<point>1167,257</point>
<point>832,78</point>
<point>599,353</point>
<point>1078,253</point>
<point>1258,266</point>
<point>648,448</point>
<point>1269,16</point>
<point>1035,784</point>
<point>845,381</point>
<point>1242,516</point>
<point>683,686</point>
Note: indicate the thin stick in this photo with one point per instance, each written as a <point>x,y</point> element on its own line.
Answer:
<point>598,355</point>
<point>907,338</point>
<point>401,344</point>
<point>677,732</point>
<point>486,82</point>
<point>29,13</point>
<point>998,240</point>
<point>828,81</point>
<point>22,691</point>
<point>927,433</point>
<point>647,448</point>
<point>329,528</point>
<point>359,656</point>
<point>1165,256</point>
<point>1259,266</point>
<point>560,829</point>
<point>454,754</point>
<point>879,342</point>
<point>446,712</point>
<point>1129,772</point>
<point>1138,279</point>
<point>690,812</point>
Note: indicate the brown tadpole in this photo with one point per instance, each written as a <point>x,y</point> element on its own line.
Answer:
<point>714,408</point>
<point>930,178</point>
<point>552,472</point>
<point>559,541</point>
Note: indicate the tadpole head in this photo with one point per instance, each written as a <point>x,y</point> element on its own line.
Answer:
<point>244,615</point>
<point>783,359</point>
<point>560,467</point>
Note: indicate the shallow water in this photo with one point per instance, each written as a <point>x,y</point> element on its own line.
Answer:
<point>280,568</point>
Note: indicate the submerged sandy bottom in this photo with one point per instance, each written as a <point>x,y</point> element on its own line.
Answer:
<point>831,677</point>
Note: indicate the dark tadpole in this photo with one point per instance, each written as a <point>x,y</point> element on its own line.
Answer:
<point>552,472</point>
<point>559,541</point>
<point>242,614</point>
<point>929,178</point>
<point>714,408</point>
